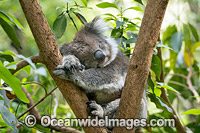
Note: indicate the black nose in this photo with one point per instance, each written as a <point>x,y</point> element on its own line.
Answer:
<point>99,55</point>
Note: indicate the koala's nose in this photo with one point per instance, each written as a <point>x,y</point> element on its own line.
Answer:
<point>99,55</point>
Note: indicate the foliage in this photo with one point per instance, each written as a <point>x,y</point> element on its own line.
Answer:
<point>179,42</point>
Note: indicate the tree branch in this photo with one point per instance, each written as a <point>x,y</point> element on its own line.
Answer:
<point>35,112</point>
<point>45,90</point>
<point>190,86</point>
<point>51,57</point>
<point>23,63</point>
<point>140,63</point>
<point>178,124</point>
<point>36,103</point>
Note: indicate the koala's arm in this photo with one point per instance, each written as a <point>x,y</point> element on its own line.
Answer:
<point>90,79</point>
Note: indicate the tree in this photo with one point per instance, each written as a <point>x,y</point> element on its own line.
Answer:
<point>138,69</point>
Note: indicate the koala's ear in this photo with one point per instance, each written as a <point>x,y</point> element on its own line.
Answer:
<point>96,26</point>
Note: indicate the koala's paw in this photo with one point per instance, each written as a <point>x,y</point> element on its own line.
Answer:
<point>71,63</point>
<point>95,109</point>
<point>60,72</point>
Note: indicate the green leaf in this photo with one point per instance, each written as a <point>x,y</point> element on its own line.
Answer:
<point>16,22</point>
<point>186,33</point>
<point>139,1</point>
<point>131,40</point>
<point>1,97</point>
<point>84,2</point>
<point>6,100</point>
<point>136,9</point>
<point>168,33</point>
<point>116,33</point>
<point>160,103</point>
<point>27,69</point>
<point>162,45</point>
<point>156,66</point>
<point>176,41</point>
<point>119,24</point>
<point>8,117</point>
<point>28,60</point>
<point>11,65</point>
<point>10,19</point>
<point>173,58</point>
<point>10,32</point>
<point>14,83</point>
<point>167,87</point>
<point>59,26</point>
<point>8,53</point>
<point>194,32</point>
<point>111,15</point>
<point>192,112</point>
<point>7,56</point>
<point>150,82</point>
<point>106,5</point>
<point>81,18</point>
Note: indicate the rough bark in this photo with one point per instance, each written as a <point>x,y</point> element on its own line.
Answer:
<point>140,63</point>
<point>50,56</point>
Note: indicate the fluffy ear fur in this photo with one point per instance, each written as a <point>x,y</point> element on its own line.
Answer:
<point>97,26</point>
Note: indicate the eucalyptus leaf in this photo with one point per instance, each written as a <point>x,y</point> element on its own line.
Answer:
<point>8,53</point>
<point>6,100</point>
<point>194,32</point>
<point>162,45</point>
<point>81,18</point>
<point>10,19</point>
<point>176,41</point>
<point>106,5</point>
<point>156,66</point>
<point>192,112</point>
<point>1,97</point>
<point>10,32</point>
<point>8,117</point>
<point>28,60</point>
<point>14,83</point>
<point>150,82</point>
<point>160,103</point>
<point>59,26</point>
<point>131,40</point>
<point>168,33</point>
<point>119,23</point>
<point>84,2</point>
<point>139,1</point>
<point>167,87</point>
<point>111,15</point>
<point>136,9</point>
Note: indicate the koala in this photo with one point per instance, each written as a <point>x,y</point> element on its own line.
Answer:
<point>94,62</point>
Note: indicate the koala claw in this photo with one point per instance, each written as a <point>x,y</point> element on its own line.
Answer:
<point>60,72</point>
<point>73,66</point>
<point>95,109</point>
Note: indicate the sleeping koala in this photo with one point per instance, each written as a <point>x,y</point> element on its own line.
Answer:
<point>94,63</point>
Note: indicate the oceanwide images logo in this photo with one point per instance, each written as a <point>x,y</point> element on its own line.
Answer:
<point>46,121</point>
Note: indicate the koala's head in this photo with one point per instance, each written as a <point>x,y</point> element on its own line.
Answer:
<point>97,49</point>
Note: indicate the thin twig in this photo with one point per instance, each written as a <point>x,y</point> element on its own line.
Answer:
<point>190,86</point>
<point>180,75</point>
<point>37,84</point>
<point>177,83</point>
<point>36,103</point>
<point>35,112</point>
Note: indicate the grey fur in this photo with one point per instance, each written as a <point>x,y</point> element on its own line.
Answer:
<point>102,81</point>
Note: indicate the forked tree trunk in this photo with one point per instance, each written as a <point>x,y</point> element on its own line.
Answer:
<point>138,69</point>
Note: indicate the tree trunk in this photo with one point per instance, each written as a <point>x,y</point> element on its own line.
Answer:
<point>51,57</point>
<point>141,61</point>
